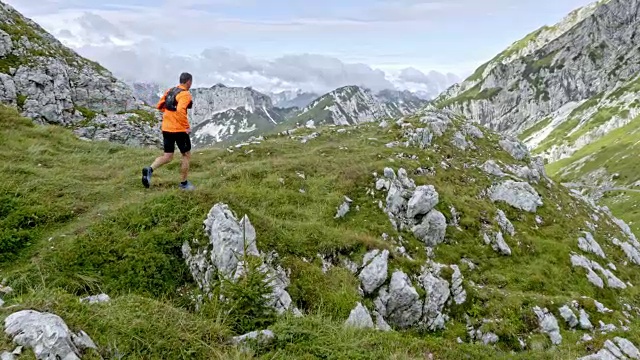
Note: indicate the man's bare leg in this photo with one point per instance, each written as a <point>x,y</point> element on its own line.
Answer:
<point>184,166</point>
<point>162,160</point>
<point>158,162</point>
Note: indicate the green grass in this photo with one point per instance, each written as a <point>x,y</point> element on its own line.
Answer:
<point>535,128</point>
<point>21,100</point>
<point>563,133</point>
<point>475,93</point>
<point>616,153</point>
<point>142,117</point>
<point>77,221</point>
<point>87,113</point>
<point>603,115</point>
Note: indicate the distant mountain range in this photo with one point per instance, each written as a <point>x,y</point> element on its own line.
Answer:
<point>222,113</point>
<point>289,99</point>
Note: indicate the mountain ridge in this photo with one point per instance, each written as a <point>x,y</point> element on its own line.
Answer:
<point>52,84</point>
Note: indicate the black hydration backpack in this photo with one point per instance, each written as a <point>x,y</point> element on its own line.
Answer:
<point>171,103</point>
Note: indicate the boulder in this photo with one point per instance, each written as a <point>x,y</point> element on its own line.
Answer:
<point>375,273</point>
<point>423,200</point>
<point>520,195</point>
<point>492,168</point>
<point>459,141</point>
<point>401,304</point>
<point>548,325</point>
<point>46,334</point>
<point>568,316</point>
<point>515,148</point>
<point>230,241</point>
<point>438,293</point>
<point>360,318</point>
<point>504,223</point>
<point>432,229</point>
<point>589,244</point>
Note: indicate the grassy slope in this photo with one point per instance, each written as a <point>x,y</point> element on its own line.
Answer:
<point>617,153</point>
<point>76,221</point>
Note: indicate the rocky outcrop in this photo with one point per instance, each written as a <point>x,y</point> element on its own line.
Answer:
<point>400,304</point>
<point>230,242</point>
<point>51,84</point>
<point>360,318</point>
<point>497,243</point>
<point>589,244</point>
<point>520,195</point>
<point>592,276</point>
<point>374,273</point>
<point>47,335</point>
<point>548,324</point>
<point>619,348</point>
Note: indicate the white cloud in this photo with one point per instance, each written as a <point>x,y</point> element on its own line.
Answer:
<point>139,43</point>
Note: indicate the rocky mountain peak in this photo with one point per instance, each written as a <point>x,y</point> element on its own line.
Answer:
<point>50,83</point>
<point>219,98</point>
<point>350,105</point>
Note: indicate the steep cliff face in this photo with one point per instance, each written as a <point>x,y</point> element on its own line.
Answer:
<point>148,92</point>
<point>571,92</point>
<point>52,84</point>
<point>220,98</point>
<point>351,105</point>
<point>222,113</point>
<point>553,70</point>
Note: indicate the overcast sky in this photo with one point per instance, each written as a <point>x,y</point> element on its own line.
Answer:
<point>292,43</point>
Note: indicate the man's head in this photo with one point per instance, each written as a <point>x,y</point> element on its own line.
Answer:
<point>186,79</point>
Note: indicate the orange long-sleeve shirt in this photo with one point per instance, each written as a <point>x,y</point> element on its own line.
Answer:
<point>176,121</point>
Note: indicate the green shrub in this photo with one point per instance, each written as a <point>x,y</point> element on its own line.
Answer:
<point>247,299</point>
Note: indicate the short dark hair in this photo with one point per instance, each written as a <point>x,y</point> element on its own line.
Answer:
<point>185,77</point>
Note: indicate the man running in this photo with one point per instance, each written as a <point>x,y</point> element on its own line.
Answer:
<point>175,130</point>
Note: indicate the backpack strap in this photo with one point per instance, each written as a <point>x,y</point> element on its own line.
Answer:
<point>171,103</point>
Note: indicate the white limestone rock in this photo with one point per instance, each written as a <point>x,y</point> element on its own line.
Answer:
<point>585,324</point>
<point>46,334</point>
<point>229,241</point>
<point>497,243</point>
<point>459,141</point>
<point>589,244</point>
<point>504,223</point>
<point>492,168</point>
<point>548,324</point>
<point>423,200</point>
<point>374,273</point>
<point>515,148</point>
<point>437,295</point>
<point>432,229</point>
<point>400,305</point>
<point>360,318</point>
<point>568,316</point>
<point>520,195</point>
<point>94,299</point>
<point>343,209</point>
<point>261,336</point>
<point>458,292</point>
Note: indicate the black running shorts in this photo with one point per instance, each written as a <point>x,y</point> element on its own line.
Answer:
<point>172,138</point>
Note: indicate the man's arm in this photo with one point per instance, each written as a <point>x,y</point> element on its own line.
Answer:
<point>160,104</point>
<point>184,101</point>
